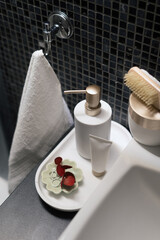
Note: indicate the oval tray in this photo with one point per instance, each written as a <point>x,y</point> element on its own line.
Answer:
<point>66,149</point>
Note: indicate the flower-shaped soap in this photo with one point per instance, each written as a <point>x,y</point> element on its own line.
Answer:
<point>61,176</point>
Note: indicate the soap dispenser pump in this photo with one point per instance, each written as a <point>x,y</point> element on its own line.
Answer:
<point>92,116</point>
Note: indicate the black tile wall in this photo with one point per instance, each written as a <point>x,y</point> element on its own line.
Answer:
<point>110,36</point>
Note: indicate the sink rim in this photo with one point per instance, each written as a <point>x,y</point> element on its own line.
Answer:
<point>144,158</point>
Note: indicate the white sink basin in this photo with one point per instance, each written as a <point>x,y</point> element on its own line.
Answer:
<point>126,204</point>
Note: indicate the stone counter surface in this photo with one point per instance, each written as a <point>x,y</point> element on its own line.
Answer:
<point>24,216</point>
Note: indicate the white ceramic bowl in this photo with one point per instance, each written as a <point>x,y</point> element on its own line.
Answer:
<point>144,122</point>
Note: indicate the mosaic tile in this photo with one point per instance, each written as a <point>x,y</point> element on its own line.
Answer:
<point>109,38</point>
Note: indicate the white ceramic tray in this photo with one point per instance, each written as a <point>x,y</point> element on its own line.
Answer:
<point>67,150</point>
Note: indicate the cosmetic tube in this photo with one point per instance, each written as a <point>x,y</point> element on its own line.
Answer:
<point>99,148</point>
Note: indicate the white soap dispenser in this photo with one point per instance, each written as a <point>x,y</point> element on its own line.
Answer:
<point>92,116</point>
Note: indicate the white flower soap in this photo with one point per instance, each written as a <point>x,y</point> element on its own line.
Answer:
<point>61,176</point>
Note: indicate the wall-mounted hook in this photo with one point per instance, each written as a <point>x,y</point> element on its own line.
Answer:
<point>58,24</point>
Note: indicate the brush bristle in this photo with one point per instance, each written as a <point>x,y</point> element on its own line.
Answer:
<point>141,88</point>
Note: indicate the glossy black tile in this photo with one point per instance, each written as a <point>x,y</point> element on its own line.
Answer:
<point>109,38</point>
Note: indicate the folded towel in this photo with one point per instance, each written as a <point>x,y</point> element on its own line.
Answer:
<point>43,118</point>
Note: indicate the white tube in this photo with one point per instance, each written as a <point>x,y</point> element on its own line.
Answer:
<point>99,148</point>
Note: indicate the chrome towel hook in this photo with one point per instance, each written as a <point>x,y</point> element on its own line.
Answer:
<point>58,24</point>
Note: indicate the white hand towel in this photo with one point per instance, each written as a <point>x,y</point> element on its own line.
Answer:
<point>43,118</point>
